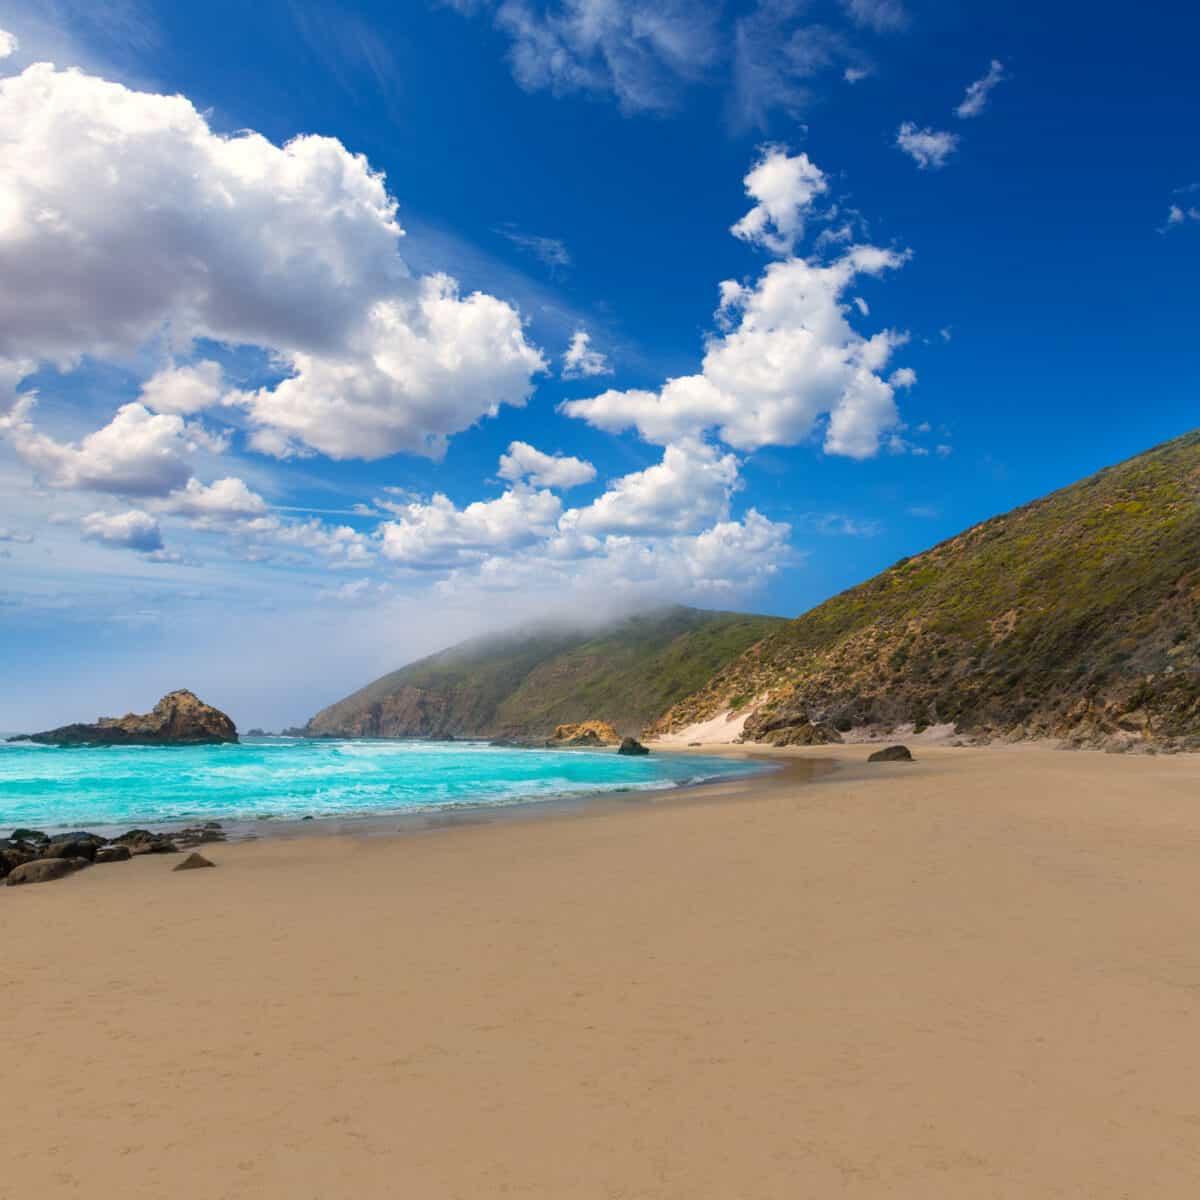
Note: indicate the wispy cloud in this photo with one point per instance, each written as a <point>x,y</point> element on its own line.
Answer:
<point>552,252</point>
<point>1180,211</point>
<point>975,101</point>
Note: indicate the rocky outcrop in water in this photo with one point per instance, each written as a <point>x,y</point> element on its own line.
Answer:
<point>178,719</point>
<point>632,746</point>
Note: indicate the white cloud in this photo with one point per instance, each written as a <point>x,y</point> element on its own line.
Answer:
<point>978,92</point>
<point>132,530</point>
<point>855,74</point>
<point>882,16</point>
<point>417,372</point>
<point>580,361</point>
<point>1178,216</point>
<point>789,357</point>
<point>138,453</point>
<point>123,215</point>
<point>224,499</point>
<point>785,187</point>
<point>8,43</point>
<point>525,463</point>
<point>189,389</point>
<point>9,535</point>
<point>440,535</point>
<point>685,492</point>
<point>638,52</point>
<point>926,147</point>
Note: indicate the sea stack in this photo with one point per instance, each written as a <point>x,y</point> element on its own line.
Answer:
<point>178,719</point>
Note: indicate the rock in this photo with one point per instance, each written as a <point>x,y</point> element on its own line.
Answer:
<point>178,719</point>
<point>632,746</point>
<point>193,862</point>
<point>112,854</point>
<point>142,841</point>
<point>892,754</point>
<point>186,838</point>
<point>806,734</point>
<point>585,733</point>
<point>695,743</point>
<point>73,845</point>
<point>43,870</point>
<point>28,835</point>
<point>11,858</point>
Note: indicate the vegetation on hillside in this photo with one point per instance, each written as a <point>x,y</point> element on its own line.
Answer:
<point>1076,616</point>
<point>526,683</point>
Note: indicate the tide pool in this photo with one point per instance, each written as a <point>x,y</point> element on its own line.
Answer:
<point>55,788</point>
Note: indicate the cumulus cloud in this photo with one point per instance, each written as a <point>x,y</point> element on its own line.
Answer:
<point>525,463</point>
<point>132,530</point>
<point>785,187</point>
<point>138,453</point>
<point>788,358</point>
<point>223,499</point>
<point>438,534</point>
<point>124,214</point>
<point>975,101</point>
<point>8,43</point>
<point>187,389</point>
<point>926,147</point>
<point>637,52</point>
<point>580,361</point>
<point>685,492</point>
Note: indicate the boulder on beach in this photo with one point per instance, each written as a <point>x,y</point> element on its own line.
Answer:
<point>43,870</point>
<point>193,862</point>
<point>12,857</point>
<point>632,746</point>
<point>584,733</point>
<point>892,754</point>
<point>73,845</point>
<point>142,841</point>
<point>178,719</point>
<point>112,854</point>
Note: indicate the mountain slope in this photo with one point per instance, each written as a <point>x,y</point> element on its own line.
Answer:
<point>525,683</point>
<point>1076,616</point>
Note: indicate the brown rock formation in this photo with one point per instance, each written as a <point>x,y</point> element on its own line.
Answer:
<point>585,733</point>
<point>178,719</point>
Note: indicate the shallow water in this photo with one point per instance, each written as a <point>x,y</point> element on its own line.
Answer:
<point>55,788</point>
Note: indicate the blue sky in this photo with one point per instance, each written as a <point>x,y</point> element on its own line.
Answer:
<point>254,441</point>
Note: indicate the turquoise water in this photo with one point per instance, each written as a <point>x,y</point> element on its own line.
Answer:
<point>53,788</point>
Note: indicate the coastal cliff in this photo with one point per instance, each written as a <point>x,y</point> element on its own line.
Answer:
<point>179,719</point>
<point>1076,617</point>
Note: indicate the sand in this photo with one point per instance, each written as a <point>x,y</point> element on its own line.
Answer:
<point>975,976</point>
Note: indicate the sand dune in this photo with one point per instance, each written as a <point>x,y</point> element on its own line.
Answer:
<point>975,976</point>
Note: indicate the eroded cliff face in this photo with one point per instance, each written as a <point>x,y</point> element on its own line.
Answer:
<point>179,719</point>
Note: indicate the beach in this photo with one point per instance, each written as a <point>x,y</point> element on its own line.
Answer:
<point>972,976</point>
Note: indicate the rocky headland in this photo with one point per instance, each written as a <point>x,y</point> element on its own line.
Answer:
<point>179,719</point>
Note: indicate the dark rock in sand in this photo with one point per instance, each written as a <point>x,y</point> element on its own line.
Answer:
<point>631,746</point>
<point>73,845</point>
<point>185,839</point>
<point>11,858</point>
<point>178,719</point>
<point>892,754</point>
<point>112,854</point>
<point>142,841</point>
<point>43,870</point>
<point>193,862</point>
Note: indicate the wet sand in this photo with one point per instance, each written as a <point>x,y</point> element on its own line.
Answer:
<point>973,976</point>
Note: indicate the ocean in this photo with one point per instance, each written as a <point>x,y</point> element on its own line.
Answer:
<point>262,779</point>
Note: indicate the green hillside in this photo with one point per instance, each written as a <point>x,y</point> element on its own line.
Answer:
<point>524,683</point>
<point>1076,616</point>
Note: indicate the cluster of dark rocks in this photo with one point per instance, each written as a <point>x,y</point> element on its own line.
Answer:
<point>31,856</point>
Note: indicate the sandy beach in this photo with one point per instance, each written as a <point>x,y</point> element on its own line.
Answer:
<point>973,976</point>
